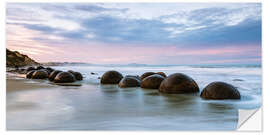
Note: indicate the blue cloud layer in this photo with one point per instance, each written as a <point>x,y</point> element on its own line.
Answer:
<point>208,26</point>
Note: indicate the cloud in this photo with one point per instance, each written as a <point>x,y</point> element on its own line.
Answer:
<point>36,14</point>
<point>162,25</point>
<point>114,22</point>
<point>211,17</point>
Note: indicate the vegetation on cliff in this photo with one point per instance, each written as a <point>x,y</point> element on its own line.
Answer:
<point>15,58</point>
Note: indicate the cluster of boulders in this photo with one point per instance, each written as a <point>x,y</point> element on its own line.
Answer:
<point>52,75</point>
<point>176,83</point>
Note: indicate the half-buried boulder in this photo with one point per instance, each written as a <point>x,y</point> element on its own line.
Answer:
<point>152,81</point>
<point>162,74</point>
<point>220,90</point>
<point>40,74</point>
<point>146,74</point>
<point>49,69</point>
<point>77,75</point>
<point>29,69</point>
<point>135,76</point>
<point>40,67</point>
<point>53,74</point>
<point>111,77</point>
<point>30,74</point>
<point>46,71</point>
<point>64,77</point>
<point>178,83</point>
<point>129,81</point>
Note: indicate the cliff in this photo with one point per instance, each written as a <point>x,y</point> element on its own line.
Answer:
<point>15,58</point>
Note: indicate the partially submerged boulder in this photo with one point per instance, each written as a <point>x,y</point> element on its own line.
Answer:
<point>152,81</point>
<point>77,75</point>
<point>64,77</point>
<point>111,77</point>
<point>53,74</point>
<point>40,74</point>
<point>22,71</point>
<point>29,74</point>
<point>162,74</point>
<point>49,69</point>
<point>129,81</point>
<point>29,69</point>
<point>46,71</point>
<point>146,74</point>
<point>135,76</point>
<point>178,83</point>
<point>40,67</point>
<point>220,90</point>
<point>92,73</point>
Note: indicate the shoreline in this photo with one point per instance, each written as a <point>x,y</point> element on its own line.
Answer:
<point>86,107</point>
<point>17,82</point>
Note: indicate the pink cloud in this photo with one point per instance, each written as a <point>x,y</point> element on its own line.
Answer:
<point>96,52</point>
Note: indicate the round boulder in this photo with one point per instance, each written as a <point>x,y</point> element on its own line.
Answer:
<point>46,71</point>
<point>111,77</point>
<point>146,74</point>
<point>64,77</point>
<point>135,76</point>
<point>178,83</point>
<point>40,74</point>
<point>152,81</point>
<point>49,69</point>
<point>53,74</point>
<point>29,69</point>
<point>220,90</point>
<point>29,74</point>
<point>40,67</point>
<point>162,74</point>
<point>77,75</point>
<point>129,81</point>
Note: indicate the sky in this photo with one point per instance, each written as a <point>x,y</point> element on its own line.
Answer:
<point>146,33</point>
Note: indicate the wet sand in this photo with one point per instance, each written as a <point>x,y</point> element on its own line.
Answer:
<point>23,84</point>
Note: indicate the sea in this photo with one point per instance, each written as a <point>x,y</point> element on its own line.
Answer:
<point>93,106</point>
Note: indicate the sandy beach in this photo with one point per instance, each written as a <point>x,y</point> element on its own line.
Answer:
<point>23,84</point>
<point>38,105</point>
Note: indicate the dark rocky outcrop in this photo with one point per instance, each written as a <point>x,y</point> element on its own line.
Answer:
<point>129,81</point>
<point>111,77</point>
<point>152,81</point>
<point>220,90</point>
<point>30,74</point>
<point>64,77</point>
<point>40,74</point>
<point>16,59</point>
<point>178,83</point>
<point>92,73</point>
<point>77,75</point>
<point>53,74</point>
<point>29,69</point>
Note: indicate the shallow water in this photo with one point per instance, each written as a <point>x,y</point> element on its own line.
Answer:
<point>106,107</point>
